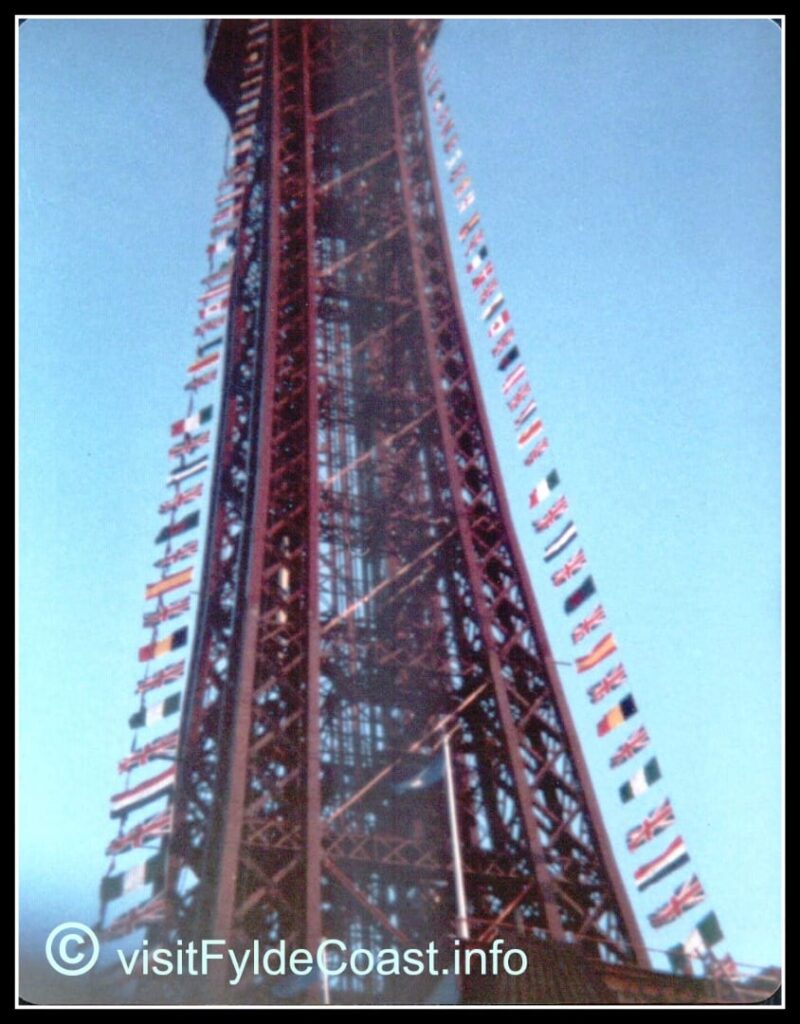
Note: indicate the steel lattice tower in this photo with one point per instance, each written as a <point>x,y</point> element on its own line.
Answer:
<point>362,579</point>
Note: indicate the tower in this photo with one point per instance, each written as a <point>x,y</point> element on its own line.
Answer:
<point>372,694</point>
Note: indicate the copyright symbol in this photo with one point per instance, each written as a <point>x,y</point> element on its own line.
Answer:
<point>61,951</point>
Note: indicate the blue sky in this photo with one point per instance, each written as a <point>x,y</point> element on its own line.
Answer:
<point>627,173</point>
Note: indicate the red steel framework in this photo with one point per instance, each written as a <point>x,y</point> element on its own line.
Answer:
<point>362,582</point>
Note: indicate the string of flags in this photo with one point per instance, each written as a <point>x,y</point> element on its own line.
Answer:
<point>168,601</point>
<point>517,391</point>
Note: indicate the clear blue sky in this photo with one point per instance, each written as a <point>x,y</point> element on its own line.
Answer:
<point>628,178</point>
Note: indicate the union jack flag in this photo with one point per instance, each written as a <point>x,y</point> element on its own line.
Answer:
<point>489,290</point>
<point>513,379</point>
<point>170,674</point>
<point>151,912</point>
<point>190,445</point>
<point>610,681</point>
<point>724,969</point>
<point>223,215</point>
<point>589,623</point>
<point>506,340</point>
<point>550,517</point>
<point>201,380</point>
<point>537,452</point>
<point>570,568</point>
<point>177,556</point>
<point>636,741</point>
<point>462,167</point>
<point>655,822</point>
<point>208,325</point>
<point>152,828</point>
<point>484,276</point>
<point>474,242</point>
<point>520,397</point>
<point>181,498</point>
<point>686,896</point>
<point>164,745</point>
<point>166,612</point>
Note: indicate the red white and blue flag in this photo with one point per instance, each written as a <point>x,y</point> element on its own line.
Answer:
<point>685,897</point>
<point>655,822</point>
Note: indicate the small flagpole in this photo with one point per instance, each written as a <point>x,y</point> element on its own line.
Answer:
<point>462,926</point>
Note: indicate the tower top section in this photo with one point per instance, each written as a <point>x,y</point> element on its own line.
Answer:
<point>226,40</point>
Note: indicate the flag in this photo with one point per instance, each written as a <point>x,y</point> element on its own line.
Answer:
<point>213,309</point>
<point>234,193</point>
<point>186,551</point>
<point>189,445</point>
<point>166,612</point>
<point>467,228</point>
<point>170,674</point>
<point>508,358</point>
<point>497,325</point>
<point>617,715</point>
<point>581,631</point>
<point>488,292</point>
<point>450,162</point>
<point>151,789</point>
<point>674,857</point>
<point>707,933</point>
<point>678,961</point>
<point>562,541</point>
<point>465,203</point>
<point>519,397</point>
<point>640,781</point>
<point>569,569</point>
<point>151,912</point>
<point>220,289</point>
<point>428,776</point>
<point>529,433</point>
<point>684,898</point>
<point>114,886</point>
<point>610,681</point>
<point>577,597</point>
<point>491,310</point>
<point>521,417</point>
<point>537,452</point>
<point>200,381</point>
<point>189,522</point>
<point>151,828</point>
<point>190,423</point>
<point>483,277</point>
<point>724,969</point>
<point>477,259</point>
<point>506,339</point>
<point>513,379</point>
<point>164,746</point>
<point>178,579</point>
<point>209,344</point>
<point>170,643</point>
<point>209,325</point>
<point>201,364</point>
<point>601,650</point>
<point>156,712</point>
<point>543,489</point>
<point>477,240</point>
<point>635,743</point>
<point>190,469</point>
<point>221,245</point>
<point>462,187</point>
<point>449,146</point>
<point>655,822</point>
<point>181,498</point>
